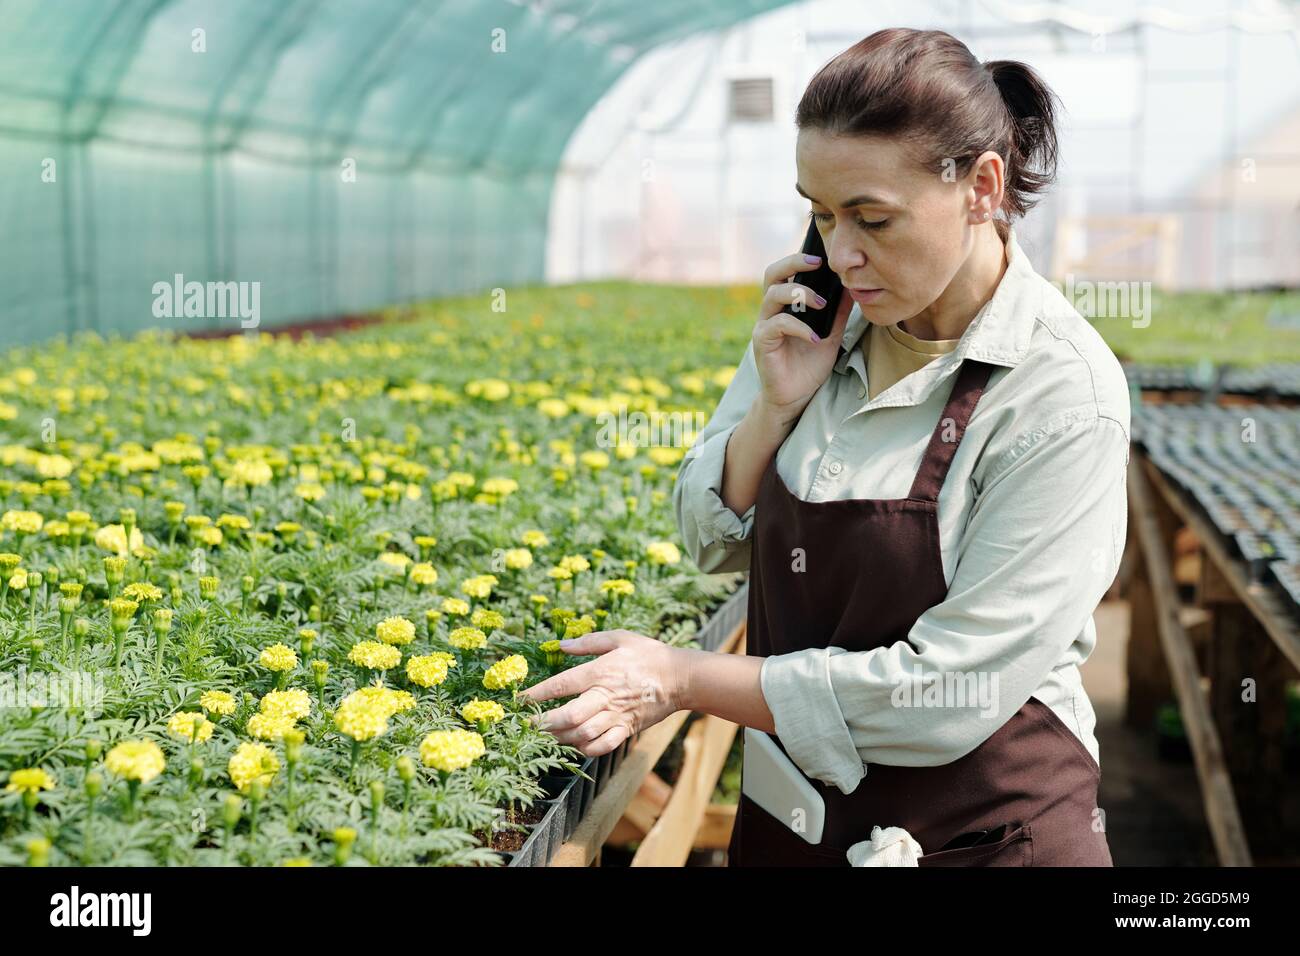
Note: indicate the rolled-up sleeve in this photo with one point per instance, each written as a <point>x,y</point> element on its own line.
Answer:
<point>716,538</point>
<point>1042,545</point>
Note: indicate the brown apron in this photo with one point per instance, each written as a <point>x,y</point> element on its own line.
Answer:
<point>877,569</point>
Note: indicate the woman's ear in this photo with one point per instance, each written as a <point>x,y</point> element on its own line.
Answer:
<point>987,179</point>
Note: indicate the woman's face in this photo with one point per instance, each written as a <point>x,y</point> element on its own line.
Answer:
<point>888,223</point>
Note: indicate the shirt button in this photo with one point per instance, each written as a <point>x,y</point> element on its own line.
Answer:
<point>836,468</point>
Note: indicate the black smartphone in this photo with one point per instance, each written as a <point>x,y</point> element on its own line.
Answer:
<point>822,281</point>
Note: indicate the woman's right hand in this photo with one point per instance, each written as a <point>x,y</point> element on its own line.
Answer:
<point>792,365</point>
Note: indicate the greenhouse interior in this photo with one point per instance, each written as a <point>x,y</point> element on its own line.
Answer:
<point>417,452</point>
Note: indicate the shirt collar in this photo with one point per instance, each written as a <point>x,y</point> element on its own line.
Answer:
<point>1000,331</point>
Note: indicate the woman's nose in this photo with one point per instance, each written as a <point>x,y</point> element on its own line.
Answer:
<point>843,254</point>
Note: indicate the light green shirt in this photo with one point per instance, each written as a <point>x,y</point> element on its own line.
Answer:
<point>1032,516</point>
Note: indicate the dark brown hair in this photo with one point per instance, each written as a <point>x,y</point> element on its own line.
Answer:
<point>927,86</point>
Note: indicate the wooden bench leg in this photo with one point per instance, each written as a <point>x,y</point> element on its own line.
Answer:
<point>1248,700</point>
<point>1149,685</point>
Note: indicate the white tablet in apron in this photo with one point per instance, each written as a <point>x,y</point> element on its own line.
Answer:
<point>772,781</point>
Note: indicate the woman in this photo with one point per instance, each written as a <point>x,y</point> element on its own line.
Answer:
<point>929,500</point>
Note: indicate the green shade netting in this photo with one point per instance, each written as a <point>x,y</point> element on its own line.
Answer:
<point>345,154</point>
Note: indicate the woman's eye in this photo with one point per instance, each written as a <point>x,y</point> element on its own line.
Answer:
<point>824,218</point>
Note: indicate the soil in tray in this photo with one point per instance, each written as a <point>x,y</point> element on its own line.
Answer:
<point>511,841</point>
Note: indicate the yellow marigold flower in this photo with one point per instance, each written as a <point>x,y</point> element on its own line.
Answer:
<point>481,711</point>
<point>212,537</point>
<point>294,703</point>
<point>374,655</point>
<point>455,606</point>
<point>424,574</point>
<point>575,563</point>
<point>549,647</point>
<point>385,698</point>
<point>400,700</point>
<point>488,389</point>
<point>618,586</point>
<point>425,541</point>
<point>29,780</point>
<point>140,760</point>
<point>487,620</point>
<point>500,486</point>
<point>234,522</point>
<point>310,491</point>
<point>78,521</point>
<point>18,580</point>
<point>395,559</point>
<point>595,460</point>
<point>250,473</point>
<point>559,572</point>
<point>122,609</point>
<point>539,599</point>
<point>451,750</point>
<point>395,630</point>
<point>535,539</point>
<point>269,726</point>
<point>27,522</point>
<point>467,638</point>
<point>578,626</point>
<point>444,655</point>
<point>662,552</point>
<point>479,586</point>
<point>189,725</point>
<point>252,761</point>
<point>142,591</point>
<point>509,670</point>
<point>426,670</point>
<point>53,466</point>
<point>361,721</point>
<point>665,455</point>
<point>112,538</point>
<point>518,558</point>
<point>218,702</point>
<point>278,657</point>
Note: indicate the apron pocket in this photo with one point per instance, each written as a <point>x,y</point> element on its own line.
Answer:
<point>1015,849</point>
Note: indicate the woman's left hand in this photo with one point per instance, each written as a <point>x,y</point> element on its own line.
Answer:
<point>634,683</point>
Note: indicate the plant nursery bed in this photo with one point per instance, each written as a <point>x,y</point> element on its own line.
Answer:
<point>300,583</point>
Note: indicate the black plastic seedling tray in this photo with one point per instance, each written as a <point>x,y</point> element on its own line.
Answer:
<point>569,796</point>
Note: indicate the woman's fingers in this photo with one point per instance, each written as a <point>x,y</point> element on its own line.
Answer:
<point>590,730</point>
<point>783,269</point>
<point>608,741</point>
<point>575,680</point>
<point>575,713</point>
<point>597,642</point>
<point>794,294</point>
<point>770,332</point>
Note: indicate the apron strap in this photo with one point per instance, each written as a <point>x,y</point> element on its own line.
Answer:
<point>966,390</point>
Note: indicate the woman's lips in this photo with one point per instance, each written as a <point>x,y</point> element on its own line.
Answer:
<point>865,296</point>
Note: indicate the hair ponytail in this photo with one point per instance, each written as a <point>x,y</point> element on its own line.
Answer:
<point>1032,108</point>
<point>927,86</point>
